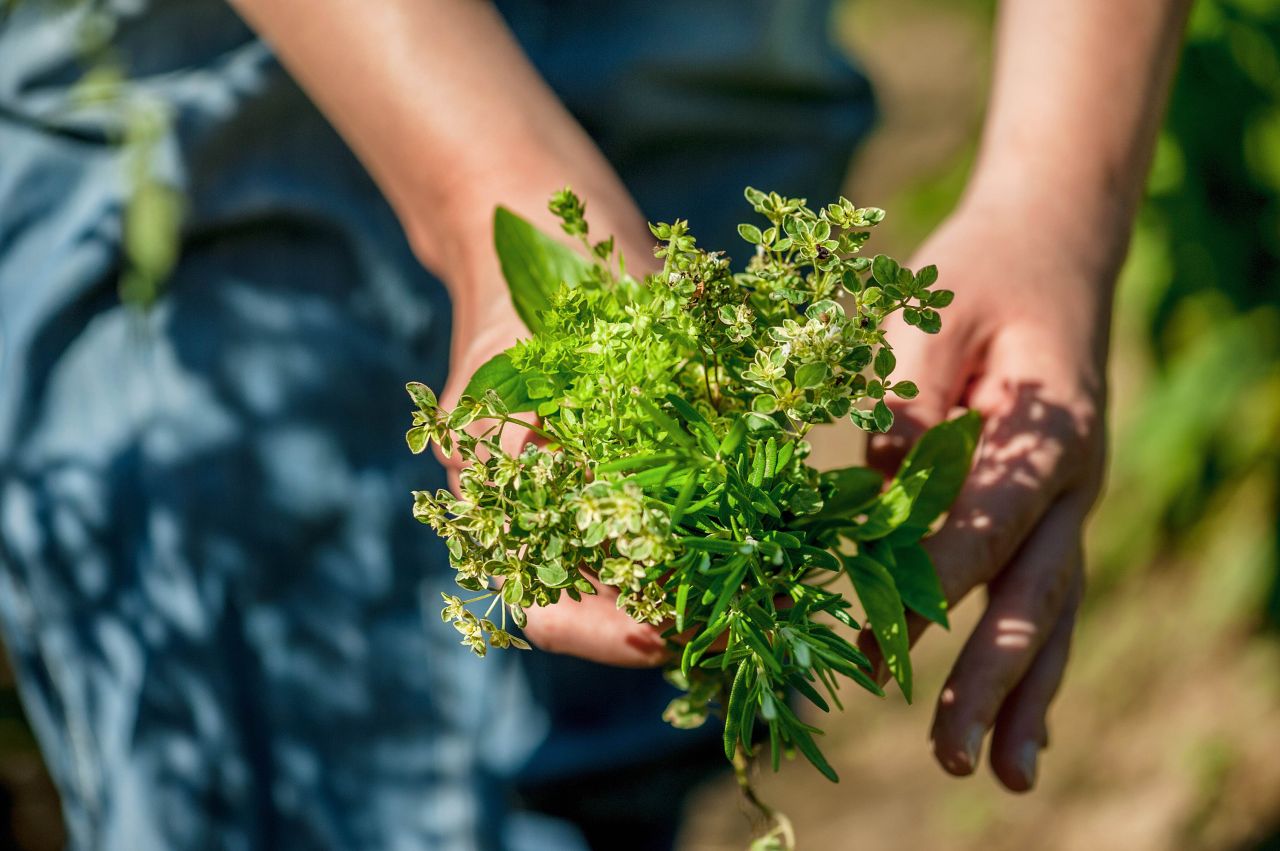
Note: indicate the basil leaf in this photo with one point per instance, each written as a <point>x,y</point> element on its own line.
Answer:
<point>946,453</point>
<point>854,488</point>
<point>892,508</point>
<point>500,375</point>
<point>917,581</point>
<point>534,265</point>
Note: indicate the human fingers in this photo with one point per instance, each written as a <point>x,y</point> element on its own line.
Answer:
<point>1021,730</point>
<point>1023,463</point>
<point>1023,608</point>
<point>594,628</point>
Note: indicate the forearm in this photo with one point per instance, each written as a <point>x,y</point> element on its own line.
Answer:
<point>1079,91</point>
<point>447,114</point>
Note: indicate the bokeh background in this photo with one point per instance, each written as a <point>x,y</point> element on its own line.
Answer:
<point>1167,735</point>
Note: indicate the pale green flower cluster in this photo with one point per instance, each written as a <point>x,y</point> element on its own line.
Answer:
<point>477,633</point>
<point>533,522</point>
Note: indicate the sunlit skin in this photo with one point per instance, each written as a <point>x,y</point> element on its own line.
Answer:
<point>450,119</point>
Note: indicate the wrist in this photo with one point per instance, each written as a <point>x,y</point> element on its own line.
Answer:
<point>1084,220</point>
<point>453,234</point>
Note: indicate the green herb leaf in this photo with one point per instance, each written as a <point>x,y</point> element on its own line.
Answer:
<point>733,709</point>
<point>885,270</point>
<point>417,438</point>
<point>499,374</point>
<point>811,374</point>
<point>883,605</point>
<point>917,581</point>
<point>534,265</point>
<point>855,488</point>
<point>944,453</point>
<point>553,574</point>
<point>421,395</point>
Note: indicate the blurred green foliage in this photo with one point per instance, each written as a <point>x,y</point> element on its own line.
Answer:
<point>140,124</point>
<point>1196,443</point>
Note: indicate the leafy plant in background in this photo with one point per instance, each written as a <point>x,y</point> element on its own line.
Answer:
<point>672,414</point>
<point>1199,297</point>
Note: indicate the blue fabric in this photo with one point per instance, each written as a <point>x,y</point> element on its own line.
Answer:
<point>222,614</point>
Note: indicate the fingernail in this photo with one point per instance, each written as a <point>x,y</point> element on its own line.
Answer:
<point>973,744</point>
<point>1027,756</point>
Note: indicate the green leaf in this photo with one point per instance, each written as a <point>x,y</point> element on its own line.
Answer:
<point>690,414</point>
<point>685,497</point>
<point>770,460</point>
<point>534,265</point>
<point>750,233</point>
<point>421,395</point>
<point>854,487</point>
<point>732,584</point>
<point>906,389</point>
<point>764,404</point>
<point>883,416</point>
<point>654,475</point>
<point>941,298</point>
<point>417,438</point>
<point>892,508</point>
<point>664,420</point>
<point>885,362</point>
<point>820,557</point>
<point>553,574</point>
<point>152,239</point>
<point>927,276</point>
<point>885,270</point>
<point>642,461</point>
<point>883,605</point>
<point>540,387</point>
<point>930,321</point>
<point>733,439</point>
<point>499,374</point>
<point>682,603</point>
<point>946,453</point>
<point>711,545</point>
<point>917,581</point>
<point>810,750</point>
<point>761,424</point>
<point>811,374</point>
<point>733,709</point>
<point>756,479</point>
<point>802,685</point>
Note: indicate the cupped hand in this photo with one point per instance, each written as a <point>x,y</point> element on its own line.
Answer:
<point>1024,343</point>
<point>593,628</point>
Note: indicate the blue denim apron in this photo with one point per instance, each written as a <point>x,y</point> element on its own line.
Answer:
<point>221,612</point>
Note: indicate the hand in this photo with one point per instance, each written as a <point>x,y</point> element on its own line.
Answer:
<point>593,628</point>
<point>1024,343</point>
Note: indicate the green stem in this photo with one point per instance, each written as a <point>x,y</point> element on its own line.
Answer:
<point>781,825</point>
<point>531,427</point>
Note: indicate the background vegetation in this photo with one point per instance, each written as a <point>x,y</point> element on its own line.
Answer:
<point>1167,733</point>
